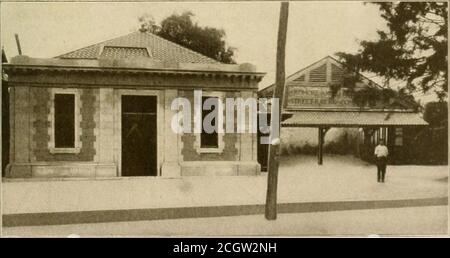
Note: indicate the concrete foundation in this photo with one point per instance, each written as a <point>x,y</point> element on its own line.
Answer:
<point>219,168</point>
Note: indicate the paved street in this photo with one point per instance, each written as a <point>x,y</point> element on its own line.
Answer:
<point>403,221</point>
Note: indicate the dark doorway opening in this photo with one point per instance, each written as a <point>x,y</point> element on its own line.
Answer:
<point>139,138</point>
<point>263,149</point>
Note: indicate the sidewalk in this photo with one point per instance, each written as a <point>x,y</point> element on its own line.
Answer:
<point>301,180</point>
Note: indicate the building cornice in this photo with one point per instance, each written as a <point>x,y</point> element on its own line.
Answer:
<point>24,64</point>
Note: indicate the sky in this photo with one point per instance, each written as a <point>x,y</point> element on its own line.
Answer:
<point>315,29</point>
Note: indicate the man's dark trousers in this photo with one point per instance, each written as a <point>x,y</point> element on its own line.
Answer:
<point>381,166</point>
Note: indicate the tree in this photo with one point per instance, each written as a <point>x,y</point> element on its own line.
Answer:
<point>147,23</point>
<point>413,49</point>
<point>432,141</point>
<point>436,113</point>
<point>182,30</point>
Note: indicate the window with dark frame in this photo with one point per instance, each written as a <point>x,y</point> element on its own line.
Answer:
<point>64,123</point>
<point>209,140</point>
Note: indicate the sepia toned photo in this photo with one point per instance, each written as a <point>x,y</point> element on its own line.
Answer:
<point>224,119</point>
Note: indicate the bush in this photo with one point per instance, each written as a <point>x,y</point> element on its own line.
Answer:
<point>342,146</point>
<point>305,149</point>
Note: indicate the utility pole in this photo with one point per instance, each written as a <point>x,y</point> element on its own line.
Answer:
<point>274,147</point>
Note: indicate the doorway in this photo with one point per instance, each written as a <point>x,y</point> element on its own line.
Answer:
<point>139,136</point>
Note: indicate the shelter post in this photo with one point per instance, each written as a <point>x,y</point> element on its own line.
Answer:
<point>321,139</point>
<point>320,147</point>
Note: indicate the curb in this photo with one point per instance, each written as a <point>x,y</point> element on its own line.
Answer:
<point>102,216</point>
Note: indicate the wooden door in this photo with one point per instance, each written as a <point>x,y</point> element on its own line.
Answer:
<point>139,137</point>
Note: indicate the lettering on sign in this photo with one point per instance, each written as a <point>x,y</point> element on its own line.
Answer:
<point>320,97</point>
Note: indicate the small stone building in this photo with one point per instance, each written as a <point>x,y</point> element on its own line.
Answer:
<point>105,111</point>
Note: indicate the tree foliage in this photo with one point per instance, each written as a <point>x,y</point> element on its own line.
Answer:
<point>180,28</point>
<point>413,49</point>
<point>436,113</point>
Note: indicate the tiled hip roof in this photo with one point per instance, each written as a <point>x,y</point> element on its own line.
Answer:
<point>160,49</point>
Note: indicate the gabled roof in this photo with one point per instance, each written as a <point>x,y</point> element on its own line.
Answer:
<point>297,76</point>
<point>141,44</point>
<point>324,72</point>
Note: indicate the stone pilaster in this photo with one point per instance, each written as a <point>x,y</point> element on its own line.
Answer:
<point>170,166</point>
<point>105,130</point>
<point>20,131</point>
<point>247,137</point>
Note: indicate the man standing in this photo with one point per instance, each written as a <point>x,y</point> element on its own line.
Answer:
<point>381,153</point>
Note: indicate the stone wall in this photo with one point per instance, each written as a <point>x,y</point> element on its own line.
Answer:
<point>99,132</point>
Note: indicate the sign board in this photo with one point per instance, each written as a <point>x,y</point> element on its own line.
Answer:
<point>311,97</point>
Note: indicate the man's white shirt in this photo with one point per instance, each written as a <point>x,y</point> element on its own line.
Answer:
<point>381,151</point>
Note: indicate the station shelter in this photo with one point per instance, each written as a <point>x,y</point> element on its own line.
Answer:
<point>311,102</point>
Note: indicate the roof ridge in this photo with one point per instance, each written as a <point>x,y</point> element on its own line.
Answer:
<point>92,45</point>
<point>289,77</point>
<point>304,68</point>
<point>182,47</point>
<point>147,36</point>
<point>359,73</point>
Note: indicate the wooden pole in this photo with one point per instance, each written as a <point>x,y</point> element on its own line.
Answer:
<point>274,147</point>
<point>19,49</point>
<point>320,147</point>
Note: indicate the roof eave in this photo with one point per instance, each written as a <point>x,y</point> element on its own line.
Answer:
<point>257,76</point>
<point>131,65</point>
<point>349,125</point>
